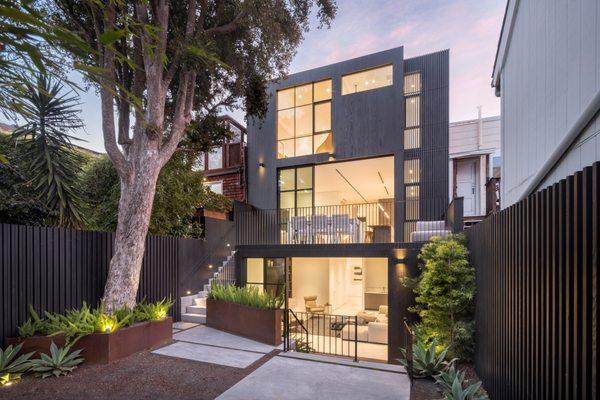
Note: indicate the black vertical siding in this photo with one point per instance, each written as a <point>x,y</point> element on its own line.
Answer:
<point>537,302</point>
<point>55,269</point>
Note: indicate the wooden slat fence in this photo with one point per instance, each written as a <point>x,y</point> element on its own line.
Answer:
<point>56,269</point>
<point>537,301</point>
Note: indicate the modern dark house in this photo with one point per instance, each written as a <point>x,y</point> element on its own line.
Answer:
<point>347,173</point>
<point>224,166</point>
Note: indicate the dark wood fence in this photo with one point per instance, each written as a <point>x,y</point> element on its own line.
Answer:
<point>56,269</point>
<point>537,293</point>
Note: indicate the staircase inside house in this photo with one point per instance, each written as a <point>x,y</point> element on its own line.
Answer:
<point>193,307</point>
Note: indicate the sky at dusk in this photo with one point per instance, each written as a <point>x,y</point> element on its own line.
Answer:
<point>469,28</point>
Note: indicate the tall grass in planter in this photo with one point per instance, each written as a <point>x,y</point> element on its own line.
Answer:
<point>248,296</point>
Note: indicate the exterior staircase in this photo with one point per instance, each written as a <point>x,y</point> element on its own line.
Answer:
<point>193,307</point>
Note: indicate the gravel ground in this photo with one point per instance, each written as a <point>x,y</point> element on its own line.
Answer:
<point>140,376</point>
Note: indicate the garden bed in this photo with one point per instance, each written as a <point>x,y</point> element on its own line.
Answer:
<point>103,348</point>
<point>262,325</point>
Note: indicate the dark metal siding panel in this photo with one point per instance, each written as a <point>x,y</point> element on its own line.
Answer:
<point>537,293</point>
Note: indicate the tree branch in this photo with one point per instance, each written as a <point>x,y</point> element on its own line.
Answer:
<point>233,25</point>
<point>107,97</point>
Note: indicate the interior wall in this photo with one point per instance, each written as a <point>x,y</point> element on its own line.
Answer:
<point>376,273</point>
<point>310,277</point>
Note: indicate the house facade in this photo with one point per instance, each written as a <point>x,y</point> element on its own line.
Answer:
<point>475,165</point>
<point>345,172</point>
<point>224,166</point>
<point>549,84</point>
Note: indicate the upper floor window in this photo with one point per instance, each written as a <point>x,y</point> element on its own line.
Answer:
<point>412,83</point>
<point>215,158</point>
<point>304,120</point>
<point>198,164</point>
<point>367,80</point>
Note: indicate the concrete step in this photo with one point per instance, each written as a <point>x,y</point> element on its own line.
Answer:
<point>200,302</point>
<point>203,294</point>
<point>196,309</point>
<point>196,318</point>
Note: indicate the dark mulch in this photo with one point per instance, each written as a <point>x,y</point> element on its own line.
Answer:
<point>140,376</point>
<point>424,389</point>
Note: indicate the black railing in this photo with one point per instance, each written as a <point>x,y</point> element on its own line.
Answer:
<point>349,223</point>
<point>408,347</point>
<point>322,333</point>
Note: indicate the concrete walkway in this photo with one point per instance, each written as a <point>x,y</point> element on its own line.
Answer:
<point>293,376</point>
<point>299,379</point>
<point>201,343</point>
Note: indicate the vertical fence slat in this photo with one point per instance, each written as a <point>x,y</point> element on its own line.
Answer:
<point>54,268</point>
<point>537,302</point>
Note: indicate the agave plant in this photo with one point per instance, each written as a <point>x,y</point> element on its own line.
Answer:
<point>61,361</point>
<point>11,368</point>
<point>459,392</point>
<point>427,362</point>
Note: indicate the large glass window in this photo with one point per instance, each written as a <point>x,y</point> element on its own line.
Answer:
<point>367,80</point>
<point>412,173</point>
<point>304,120</point>
<point>296,189</point>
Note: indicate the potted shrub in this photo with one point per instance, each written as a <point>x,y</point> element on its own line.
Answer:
<point>245,311</point>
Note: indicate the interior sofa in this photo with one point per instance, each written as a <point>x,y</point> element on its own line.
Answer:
<point>372,327</point>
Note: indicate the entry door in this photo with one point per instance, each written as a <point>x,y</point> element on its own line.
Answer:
<point>466,184</point>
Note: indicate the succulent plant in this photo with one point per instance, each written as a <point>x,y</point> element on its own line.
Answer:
<point>61,361</point>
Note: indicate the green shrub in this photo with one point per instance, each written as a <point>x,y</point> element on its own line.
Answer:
<point>12,368</point>
<point>444,294</point>
<point>247,295</point>
<point>428,361</point>
<point>152,311</point>
<point>61,361</point>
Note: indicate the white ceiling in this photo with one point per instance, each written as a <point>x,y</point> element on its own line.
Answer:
<point>331,188</point>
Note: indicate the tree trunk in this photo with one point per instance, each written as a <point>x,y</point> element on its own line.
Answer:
<point>135,209</point>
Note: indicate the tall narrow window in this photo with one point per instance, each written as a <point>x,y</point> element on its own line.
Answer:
<point>412,178</point>
<point>215,158</point>
<point>412,131</point>
<point>304,120</point>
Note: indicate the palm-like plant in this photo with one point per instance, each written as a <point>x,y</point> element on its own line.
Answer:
<point>60,362</point>
<point>11,368</point>
<point>51,118</point>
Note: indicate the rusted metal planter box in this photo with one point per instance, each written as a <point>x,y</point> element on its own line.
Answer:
<point>103,348</point>
<point>254,323</point>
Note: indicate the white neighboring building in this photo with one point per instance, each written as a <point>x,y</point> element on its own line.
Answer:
<point>547,72</point>
<point>474,153</point>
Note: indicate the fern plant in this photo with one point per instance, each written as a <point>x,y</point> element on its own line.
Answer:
<point>427,361</point>
<point>61,361</point>
<point>156,311</point>
<point>11,368</point>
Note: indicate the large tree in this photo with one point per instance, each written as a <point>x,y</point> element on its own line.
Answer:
<point>164,66</point>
